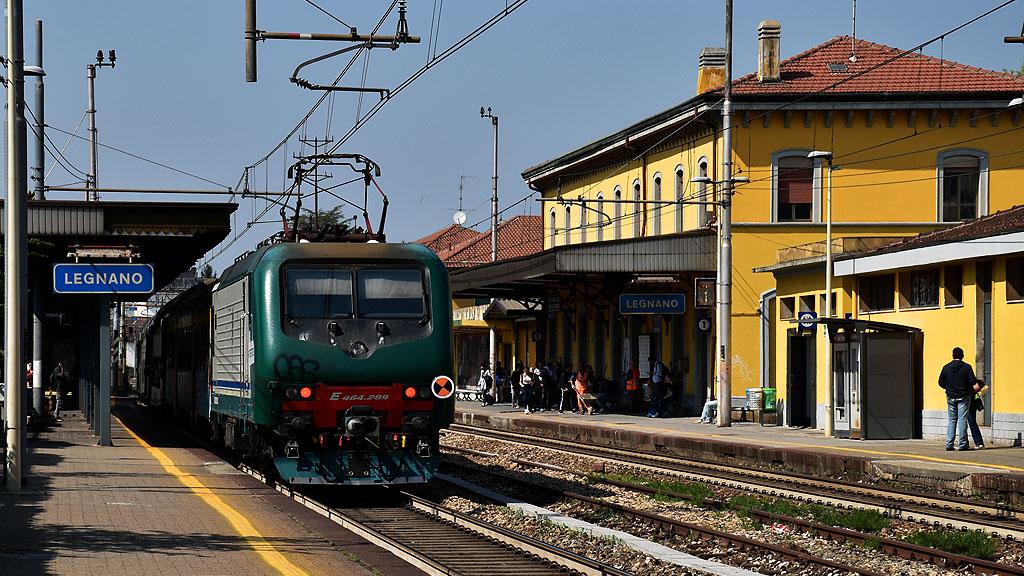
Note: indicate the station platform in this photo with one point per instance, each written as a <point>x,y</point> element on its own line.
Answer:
<point>156,504</point>
<point>805,451</point>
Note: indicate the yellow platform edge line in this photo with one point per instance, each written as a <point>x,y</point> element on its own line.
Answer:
<point>239,522</point>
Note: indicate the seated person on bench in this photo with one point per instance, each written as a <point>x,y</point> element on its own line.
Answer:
<point>710,410</point>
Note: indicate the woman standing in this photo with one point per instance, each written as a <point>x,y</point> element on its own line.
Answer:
<point>977,405</point>
<point>582,388</point>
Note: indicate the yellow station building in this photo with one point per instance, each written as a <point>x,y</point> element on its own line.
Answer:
<point>918,144</point>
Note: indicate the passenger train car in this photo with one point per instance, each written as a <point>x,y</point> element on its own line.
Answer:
<point>321,360</point>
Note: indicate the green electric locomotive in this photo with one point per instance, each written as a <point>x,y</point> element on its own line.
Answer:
<point>330,361</point>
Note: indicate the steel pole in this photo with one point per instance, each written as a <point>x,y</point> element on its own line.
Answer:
<point>250,41</point>
<point>14,242</point>
<point>725,248</point>
<point>38,398</point>
<point>830,389</point>
<point>93,135</point>
<point>492,333</point>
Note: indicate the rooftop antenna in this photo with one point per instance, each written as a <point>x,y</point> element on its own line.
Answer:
<point>460,216</point>
<point>853,38</point>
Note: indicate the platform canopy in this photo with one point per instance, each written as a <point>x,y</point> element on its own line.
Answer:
<point>526,277</point>
<point>169,235</point>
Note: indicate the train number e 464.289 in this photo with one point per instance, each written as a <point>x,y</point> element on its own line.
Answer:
<point>359,397</point>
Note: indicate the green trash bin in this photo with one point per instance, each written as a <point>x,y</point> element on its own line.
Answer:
<point>768,394</point>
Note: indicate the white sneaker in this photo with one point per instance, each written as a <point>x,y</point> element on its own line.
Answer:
<point>527,411</point>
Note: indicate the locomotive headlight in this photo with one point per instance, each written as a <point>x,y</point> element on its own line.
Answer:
<point>291,393</point>
<point>358,348</point>
<point>306,393</point>
<point>410,392</point>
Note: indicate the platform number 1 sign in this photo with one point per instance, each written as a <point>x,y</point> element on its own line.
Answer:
<point>704,293</point>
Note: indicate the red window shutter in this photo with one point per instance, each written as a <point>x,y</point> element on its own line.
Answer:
<point>796,185</point>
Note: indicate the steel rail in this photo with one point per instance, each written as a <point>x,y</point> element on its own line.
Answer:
<point>385,527</point>
<point>890,546</point>
<point>1003,522</point>
<point>677,527</point>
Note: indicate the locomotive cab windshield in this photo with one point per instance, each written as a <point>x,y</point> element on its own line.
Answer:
<point>343,306</point>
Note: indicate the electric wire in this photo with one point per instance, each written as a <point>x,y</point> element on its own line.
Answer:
<point>144,159</point>
<point>408,81</point>
<point>331,16</point>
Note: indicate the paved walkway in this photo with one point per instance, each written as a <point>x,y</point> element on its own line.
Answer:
<point>154,504</point>
<point>926,456</point>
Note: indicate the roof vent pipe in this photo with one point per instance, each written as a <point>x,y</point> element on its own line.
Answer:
<point>769,33</point>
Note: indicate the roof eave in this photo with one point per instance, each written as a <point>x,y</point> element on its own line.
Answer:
<point>688,109</point>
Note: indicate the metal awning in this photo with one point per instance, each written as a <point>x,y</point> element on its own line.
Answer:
<point>527,276</point>
<point>169,235</point>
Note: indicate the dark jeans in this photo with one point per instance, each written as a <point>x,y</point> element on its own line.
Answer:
<point>525,397</point>
<point>568,399</point>
<point>972,424</point>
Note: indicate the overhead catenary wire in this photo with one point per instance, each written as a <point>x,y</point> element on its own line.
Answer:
<point>144,159</point>
<point>509,9</point>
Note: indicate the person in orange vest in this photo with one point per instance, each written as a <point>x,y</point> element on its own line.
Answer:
<point>631,376</point>
<point>582,386</point>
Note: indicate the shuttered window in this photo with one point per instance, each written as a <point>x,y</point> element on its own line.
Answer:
<point>795,194</point>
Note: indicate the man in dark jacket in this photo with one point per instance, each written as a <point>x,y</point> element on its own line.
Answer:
<point>956,379</point>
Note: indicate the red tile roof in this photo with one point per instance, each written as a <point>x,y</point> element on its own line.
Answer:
<point>1002,222</point>
<point>914,73</point>
<point>447,238</point>
<point>517,236</point>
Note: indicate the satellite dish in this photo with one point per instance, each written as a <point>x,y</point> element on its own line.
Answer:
<point>460,218</point>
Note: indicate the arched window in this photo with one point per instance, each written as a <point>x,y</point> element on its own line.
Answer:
<point>705,212</point>
<point>553,230</point>
<point>636,209</point>
<point>600,217</point>
<point>617,213</point>
<point>679,191</point>
<point>568,226</point>
<point>656,212</point>
<point>962,185</point>
<point>583,220</point>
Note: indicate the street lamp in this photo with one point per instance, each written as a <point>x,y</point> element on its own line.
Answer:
<point>493,336</point>
<point>723,299</point>
<point>830,389</point>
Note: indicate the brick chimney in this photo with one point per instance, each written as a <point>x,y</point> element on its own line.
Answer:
<point>769,33</point>
<point>710,69</point>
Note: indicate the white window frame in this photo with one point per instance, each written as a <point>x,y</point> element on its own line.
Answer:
<point>583,220</point>
<point>940,161</point>
<point>600,216</point>
<point>554,229</point>
<point>815,183</point>
<point>656,208</point>
<point>618,212</point>
<point>680,189</point>
<point>567,223</point>
<point>704,192</point>
<point>637,228</point>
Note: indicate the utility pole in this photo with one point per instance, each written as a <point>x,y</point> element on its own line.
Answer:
<point>724,318</point>
<point>15,241</point>
<point>90,69</point>
<point>494,224</point>
<point>38,398</point>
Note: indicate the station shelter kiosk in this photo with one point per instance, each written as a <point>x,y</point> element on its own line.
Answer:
<point>876,382</point>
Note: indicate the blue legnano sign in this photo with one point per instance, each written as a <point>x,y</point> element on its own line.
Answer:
<point>674,303</point>
<point>102,278</point>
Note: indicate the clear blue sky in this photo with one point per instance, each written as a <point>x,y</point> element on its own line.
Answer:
<point>559,73</point>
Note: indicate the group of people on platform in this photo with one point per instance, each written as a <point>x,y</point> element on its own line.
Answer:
<point>581,390</point>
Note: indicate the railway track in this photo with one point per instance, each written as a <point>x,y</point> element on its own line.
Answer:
<point>676,527</point>
<point>956,513</point>
<point>440,541</point>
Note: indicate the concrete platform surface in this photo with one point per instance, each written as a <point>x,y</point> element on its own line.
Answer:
<point>801,450</point>
<point>155,504</point>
